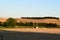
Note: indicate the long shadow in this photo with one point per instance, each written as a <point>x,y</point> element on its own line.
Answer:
<point>14,35</point>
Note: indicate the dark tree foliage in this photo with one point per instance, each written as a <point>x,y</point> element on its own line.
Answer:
<point>28,24</point>
<point>31,24</point>
<point>4,24</point>
<point>11,22</point>
<point>51,25</point>
<point>21,24</point>
<point>40,17</point>
<point>42,24</point>
<point>18,24</point>
<point>1,24</point>
<point>50,18</point>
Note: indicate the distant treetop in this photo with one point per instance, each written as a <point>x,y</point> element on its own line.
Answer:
<point>40,17</point>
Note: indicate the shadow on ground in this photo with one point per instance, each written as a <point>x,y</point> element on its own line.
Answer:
<point>13,35</point>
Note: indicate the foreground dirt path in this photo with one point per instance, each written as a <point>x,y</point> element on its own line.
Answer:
<point>30,34</point>
<point>39,30</point>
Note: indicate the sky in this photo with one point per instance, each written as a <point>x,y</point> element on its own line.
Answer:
<point>29,8</point>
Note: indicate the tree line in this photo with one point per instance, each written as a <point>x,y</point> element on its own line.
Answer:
<point>11,22</point>
<point>40,18</point>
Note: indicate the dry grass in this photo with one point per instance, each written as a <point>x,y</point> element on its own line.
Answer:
<point>39,30</point>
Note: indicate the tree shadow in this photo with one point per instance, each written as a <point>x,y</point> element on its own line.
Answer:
<point>14,35</point>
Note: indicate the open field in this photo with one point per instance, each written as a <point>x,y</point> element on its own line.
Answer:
<point>30,34</point>
<point>42,30</point>
<point>34,20</point>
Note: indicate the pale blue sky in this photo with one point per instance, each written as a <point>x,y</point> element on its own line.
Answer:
<point>29,8</point>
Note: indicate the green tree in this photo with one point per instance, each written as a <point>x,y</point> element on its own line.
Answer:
<point>11,22</point>
<point>21,24</point>
<point>28,24</point>
<point>0,23</point>
<point>4,24</point>
<point>51,25</point>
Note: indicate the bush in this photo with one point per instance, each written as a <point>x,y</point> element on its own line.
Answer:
<point>11,22</point>
<point>51,25</point>
<point>1,24</point>
<point>4,24</point>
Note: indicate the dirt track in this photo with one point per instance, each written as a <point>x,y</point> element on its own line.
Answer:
<point>39,30</point>
<point>30,34</point>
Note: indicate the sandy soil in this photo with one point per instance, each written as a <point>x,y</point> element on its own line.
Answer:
<point>39,30</point>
